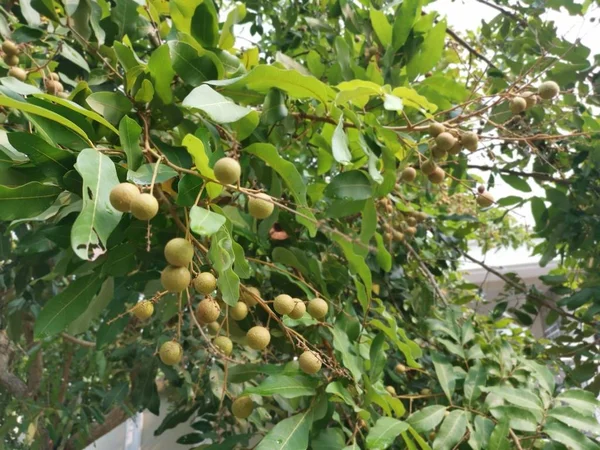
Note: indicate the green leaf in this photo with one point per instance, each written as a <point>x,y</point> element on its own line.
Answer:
<point>517,183</point>
<point>542,374</point>
<point>182,12</point>
<point>43,112</point>
<point>353,185</point>
<point>498,438</point>
<point>406,15</point>
<point>581,400</point>
<point>427,418</point>
<point>573,418</point>
<point>27,200</point>
<point>68,305</point>
<point>412,98</point>
<point>519,418</point>
<point>52,161</point>
<point>130,133</point>
<point>204,222</point>
<point>381,26</point>
<point>285,386</point>
<point>377,357</point>
<point>339,144</point>
<point>205,25</point>
<point>384,433</point>
<point>274,109</point>
<point>567,436</point>
<point>422,443</point>
<point>72,55</point>
<point>46,8</point>
<point>236,15</point>
<point>195,147</point>
<point>445,373</point>
<point>430,51</point>
<point>329,439</point>
<point>452,431</point>
<point>98,218</point>
<point>111,105</point>
<point>518,397</point>
<point>188,189</point>
<point>192,65</point>
<point>217,107</point>
<point>145,93</point>
<point>480,435</point>
<point>127,18</point>
<point>145,173</point>
<point>246,372</point>
<point>120,261</point>
<point>289,434</point>
<point>292,179</point>
<point>94,309</point>
<point>162,73</point>
<point>476,378</point>
<point>357,91</point>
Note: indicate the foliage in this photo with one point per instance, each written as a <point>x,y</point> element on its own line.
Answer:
<point>327,113</point>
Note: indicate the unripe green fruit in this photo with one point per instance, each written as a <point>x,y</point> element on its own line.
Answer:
<point>283,304</point>
<point>175,279</point>
<point>428,167</point>
<point>391,390</point>
<point>144,206</point>
<point>227,170</point>
<point>208,311</point>
<point>179,252</point>
<point>548,90</point>
<point>224,344</point>
<point>445,141</point>
<point>205,283</point>
<point>258,338</point>
<point>248,296</point>
<point>436,128</point>
<point>518,105</point>
<point>260,206</point>
<point>10,48</point>
<point>213,328</point>
<point>408,174</point>
<point>400,368</point>
<point>317,308</point>
<point>242,407</point>
<point>299,309</point>
<point>309,362</point>
<point>170,353</point>
<point>437,176</point>
<point>425,391</point>
<point>485,200</point>
<point>530,98</point>
<point>18,73</point>
<point>11,60</point>
<point>143,310</point>
<point>53,87</point>
<point>122,195</point>
<point>239,311</point>
<point>470,141</point>
<point>410,231</point>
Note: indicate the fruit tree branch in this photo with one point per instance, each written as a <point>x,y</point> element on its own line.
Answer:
<point>510,14</point>
<point>11,382</point>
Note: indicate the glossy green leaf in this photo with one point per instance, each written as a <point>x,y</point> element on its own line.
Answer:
<point>384,433</point>
<point>236,15</point>
<point>182,12</point>
<point>111,105</point>
<point>145,173</point>
<point>518,397</point>
<point>430,51</point>
<point>54,162</point>
<point>451,431</point>
<point>354,185</point>
<point>195,147</point>
<point>74,56</point>
<point>445,373</point>
<point>204,222</point>
<point>569,416</point>
<point>217,107</point>
<point>516,182</point>
<point>274,109</point>
<point>579,399</point>
<point>381,26</point>
<point>289,434</point>
<point>192,66</point>
<point>427,418</point>
<point>285,386</point>
<point>130,133</point>
<point>568,436</point>
<point>339,144</point>
<point>27,200</point>
<point>499,437</point>
<point>408,12</point>
<point>476,377</point>
<point>162,73</point>
<point>94,309</point>
<point>205,24</point>
<point>519,418</point>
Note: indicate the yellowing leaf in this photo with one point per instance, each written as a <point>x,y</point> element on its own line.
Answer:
<point>195,147</point>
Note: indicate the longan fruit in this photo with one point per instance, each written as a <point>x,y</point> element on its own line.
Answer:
<point>54,76</point>
<point>400,368</point>
<point>239,311</point>
<point>122,195</point>
<point>298,311</point>
<point>391,390</point>
<point>179,252</point>
<point>436,128</point>
<point>530,98</point>
<point>205,283</point>
<point>227,170</point>
<point>175,279</point>
<point>309,362</point>
<point>248,296</point>
<point>258,337</point>
<point>485,199</point>
<point>445,141</point>
<point>53,87</point>
<point>428,167</point>
<point>260,206</point>
<point>518,105</point>
<point>410,231</point>
<point>18,73</point>
<point>481,189</point>
<point>143,310</point>
<point>548,90</point>
<point>470,141</point>
<point>11,60</point>
<point>242,407</point>
<point>397,236</point>
<point>224,344</point>
<point>208,311</point>
<point>283,304</point>
<point>437,176</point>
<point>408,174</point>
<point>456,148</point>
<point>420,216</point>
<point>170,353</point>
<point>10,48</point>
<point>213,328</point>
<point>438,153</point>
<point>144,206</point>
<point>317,308</point>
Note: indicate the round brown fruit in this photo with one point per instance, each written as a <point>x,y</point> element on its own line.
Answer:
<point>248,296</point>
<point>411,221</point>
<point>170,353</point>
<point>317,308</point>
<point>283,304</point>
<point>425,391</point>
<point>205,283</point>
<point>437,176</point>
<point>10,48</point>
<point>420,216</point>
<point>53,87</point>
<point>143,310</point>
<point>485,200</point>
<point>213,328</point>
<point>408,174</point>
<point>227,170</point>
<point>11,60</point>
<point>122,195</point>
<point>18,73</point>
<point>436,128</point>
<point>445,141</point>
<point>258,338</point>
<point>54,76</point>
<point>548,90</point>
<point>391,390</point>
<point>530,98</point>
<point>144,206</point>
<point>242,407</point>
<point>410,231</point>
<point>456,148</point>
<point>428,167</point>
<point>299,309</point>
<point>438,153</point>
<point>470,141</point>
<point>208,311</point>
<point>518,105</point>
<point>260,206</point>
<point>400,368</point>
<point>239,311</point>
<point>397,236</point>
<point>179,252</point>
<point>309,362</point>
<point>481,189</point>
<point>175,279</point>
<point>224,344</point>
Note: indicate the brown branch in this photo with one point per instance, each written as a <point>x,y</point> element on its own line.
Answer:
<point>470,49</point>
<point>510,14</point>
<point>65,376</point>
<point>11,382</point>
<point>426,272</point>
<point>537,175</point>
<point>74,340</point>
<point>112,419</point>
<point>515,439</point>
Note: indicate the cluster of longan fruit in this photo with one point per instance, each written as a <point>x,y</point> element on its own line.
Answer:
<point>126,197</point>
<point>527,99</point>
<point>403,224</point>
